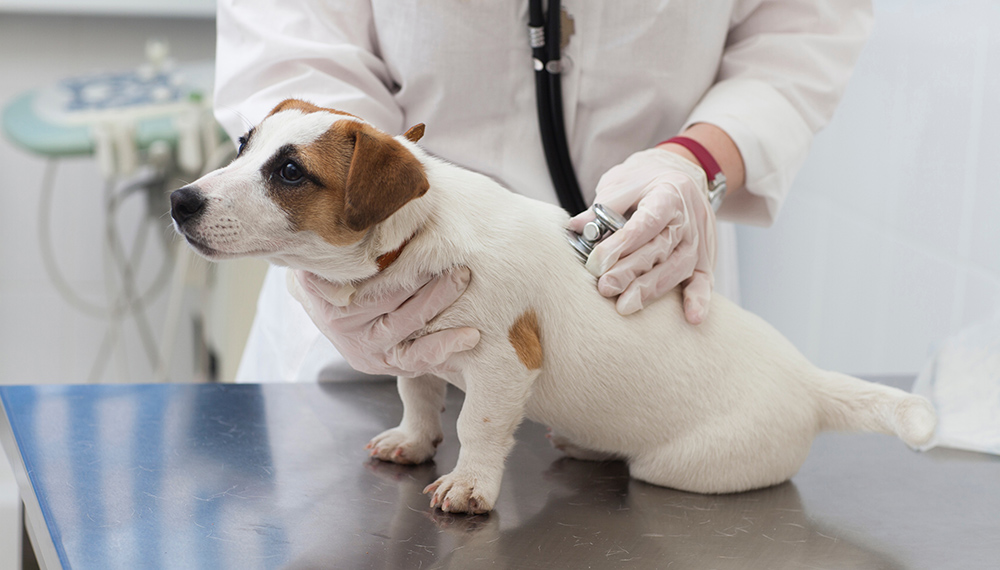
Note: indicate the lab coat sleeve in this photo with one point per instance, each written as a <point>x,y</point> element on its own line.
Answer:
<point>783,71</point>
<point>323,52</point>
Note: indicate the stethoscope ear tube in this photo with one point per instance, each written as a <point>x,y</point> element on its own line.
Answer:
<point>548,94</point>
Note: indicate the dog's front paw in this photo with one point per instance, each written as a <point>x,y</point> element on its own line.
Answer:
<point>462,493</point>
<point>400,446</point>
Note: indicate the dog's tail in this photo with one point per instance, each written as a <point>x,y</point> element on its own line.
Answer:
<point>850,404</point>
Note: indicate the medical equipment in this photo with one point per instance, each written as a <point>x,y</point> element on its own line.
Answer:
<point>144,127</point>
<point>607,222</point>
<point>547,35</point>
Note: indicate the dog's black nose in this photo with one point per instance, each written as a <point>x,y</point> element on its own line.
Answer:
<point>186,204</point>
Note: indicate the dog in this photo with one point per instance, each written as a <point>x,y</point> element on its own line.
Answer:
<point>724,406</point>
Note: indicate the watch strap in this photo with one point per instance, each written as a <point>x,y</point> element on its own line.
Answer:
<point>713,172</point>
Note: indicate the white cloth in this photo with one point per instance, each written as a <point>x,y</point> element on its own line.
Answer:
<point>962,380</point>
<point>637,72</point>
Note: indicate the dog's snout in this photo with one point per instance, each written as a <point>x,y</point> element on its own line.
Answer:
<point>186,204</point>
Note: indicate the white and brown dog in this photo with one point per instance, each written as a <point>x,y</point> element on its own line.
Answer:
<point>724,406</point>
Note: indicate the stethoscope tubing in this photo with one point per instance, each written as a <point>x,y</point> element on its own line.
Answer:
<point>548,95</point>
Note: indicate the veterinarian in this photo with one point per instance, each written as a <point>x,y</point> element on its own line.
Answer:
<point>748,83</point>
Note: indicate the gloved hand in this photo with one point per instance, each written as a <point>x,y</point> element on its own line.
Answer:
<point>372,333</point>
<point>669,239</point>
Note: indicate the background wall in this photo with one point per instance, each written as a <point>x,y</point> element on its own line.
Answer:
<point>890,239</point>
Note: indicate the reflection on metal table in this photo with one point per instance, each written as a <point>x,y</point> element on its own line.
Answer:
<point>275,476</point>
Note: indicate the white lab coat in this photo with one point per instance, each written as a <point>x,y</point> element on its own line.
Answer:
<point>769,73</point>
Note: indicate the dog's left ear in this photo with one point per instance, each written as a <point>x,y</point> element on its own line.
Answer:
<point>415,133</point>
<point>383,177</point>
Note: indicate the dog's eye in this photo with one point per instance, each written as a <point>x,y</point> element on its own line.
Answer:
<point>290,172</point>
<point>243,144</point>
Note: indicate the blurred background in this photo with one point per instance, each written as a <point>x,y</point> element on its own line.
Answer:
<point>888,243</point>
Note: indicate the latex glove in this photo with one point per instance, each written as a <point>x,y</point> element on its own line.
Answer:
<point>373,335</point>
<point>668,240</point>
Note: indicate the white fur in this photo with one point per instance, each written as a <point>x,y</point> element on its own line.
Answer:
<point>724,406</point>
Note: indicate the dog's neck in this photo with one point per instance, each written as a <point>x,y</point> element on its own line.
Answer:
<point>386,259</point>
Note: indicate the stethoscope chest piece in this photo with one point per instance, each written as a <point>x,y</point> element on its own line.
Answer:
<point>606,222</point>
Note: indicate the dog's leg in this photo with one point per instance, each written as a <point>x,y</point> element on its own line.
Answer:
<point>419,433</point>
<point>493,408</point>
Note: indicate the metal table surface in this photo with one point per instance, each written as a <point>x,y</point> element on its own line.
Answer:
<point>275,476</point>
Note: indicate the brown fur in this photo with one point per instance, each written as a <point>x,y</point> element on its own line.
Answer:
<point>363,176</point>
<point>305,107</point>
<point>526,338</point>
<point>415,133</point>
<point>384,176</point>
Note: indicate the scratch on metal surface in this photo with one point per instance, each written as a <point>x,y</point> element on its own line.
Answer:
<point>714,507</point>
<point>793,524</point>
<point>765,536</point>
<point>833,538</point>
<point>651,535</point>
<point>217,495</point>
<point>613,552</point>
<point>724,533</point>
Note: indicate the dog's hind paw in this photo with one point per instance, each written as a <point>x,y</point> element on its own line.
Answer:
<point>399,446</point>
<point>458,493</point>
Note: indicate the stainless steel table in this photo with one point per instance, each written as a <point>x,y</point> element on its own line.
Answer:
<point>275,476</point>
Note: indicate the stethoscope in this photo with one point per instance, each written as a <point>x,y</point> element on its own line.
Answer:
<point>545,34</point>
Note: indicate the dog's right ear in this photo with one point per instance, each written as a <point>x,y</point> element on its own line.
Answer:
<point>383,177</point>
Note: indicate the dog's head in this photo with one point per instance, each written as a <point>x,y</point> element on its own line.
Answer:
<point>306,178</point>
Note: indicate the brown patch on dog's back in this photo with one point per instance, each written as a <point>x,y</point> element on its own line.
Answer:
<point>526,338</point>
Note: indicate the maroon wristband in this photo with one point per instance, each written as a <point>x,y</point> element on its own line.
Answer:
<point>713,172</point>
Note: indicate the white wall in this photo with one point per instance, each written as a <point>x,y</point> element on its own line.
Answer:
<point>890,239</point>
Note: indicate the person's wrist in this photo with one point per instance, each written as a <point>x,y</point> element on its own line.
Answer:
<point>679,150</point>
<point>695,152</point>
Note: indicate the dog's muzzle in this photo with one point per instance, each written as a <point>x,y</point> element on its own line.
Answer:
<point>186,205</point>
